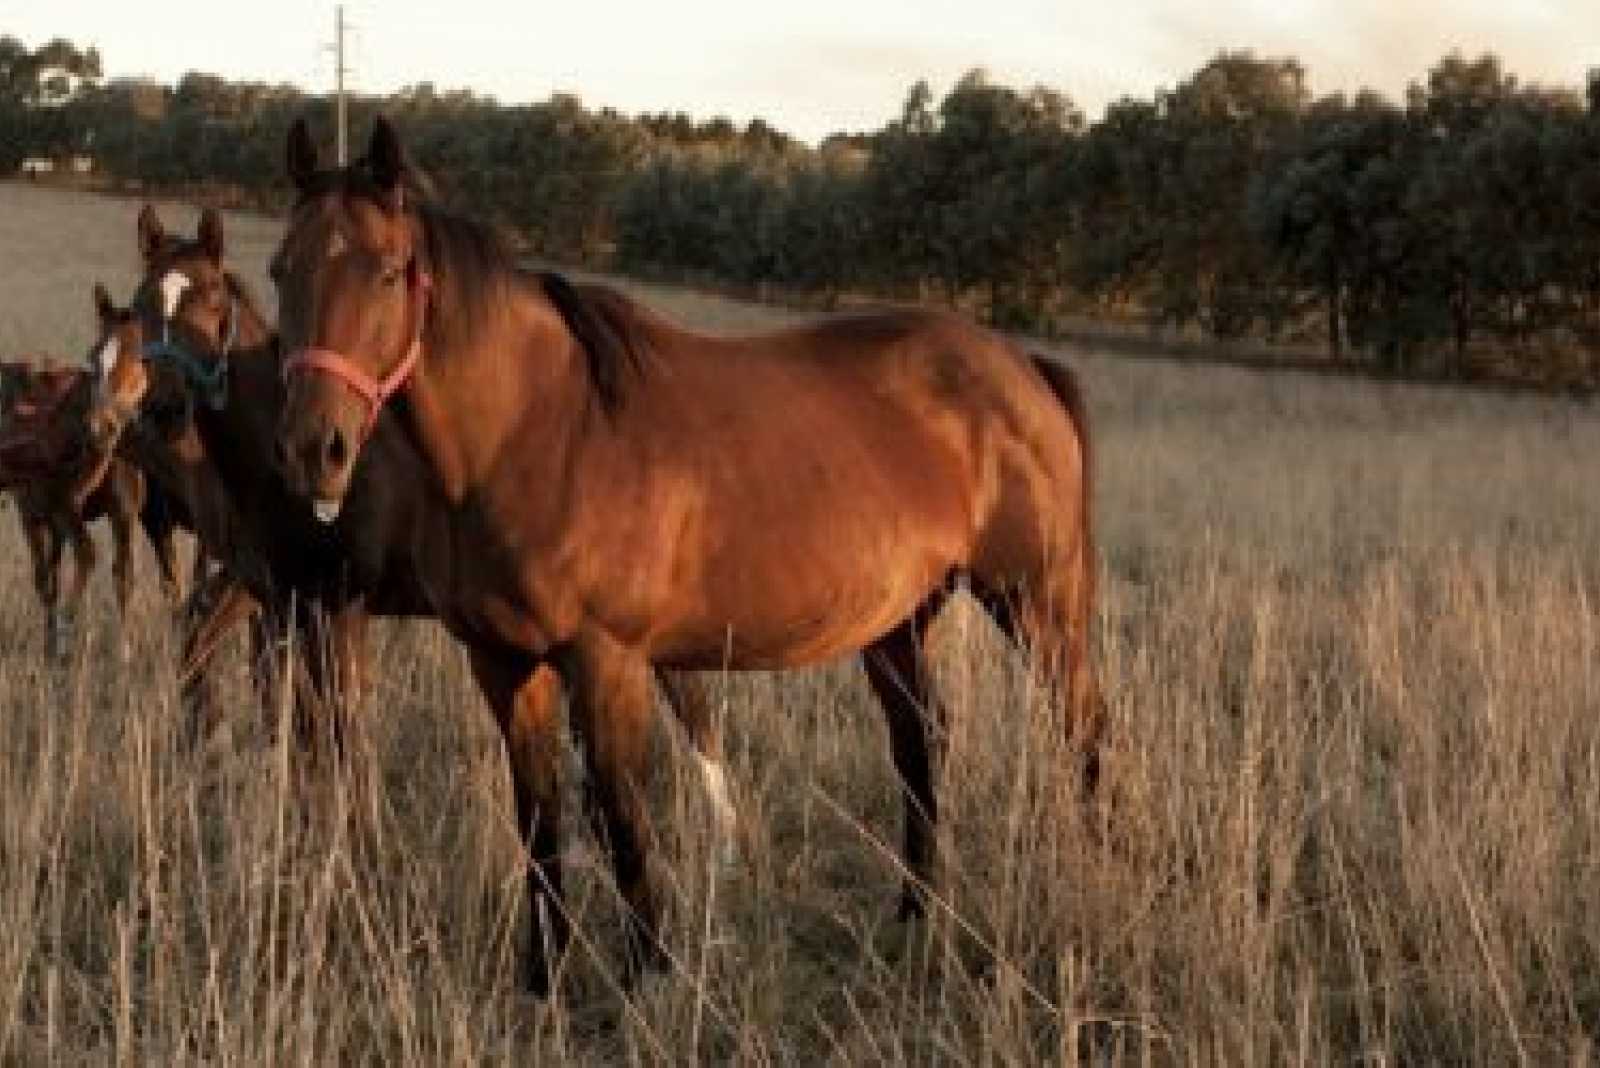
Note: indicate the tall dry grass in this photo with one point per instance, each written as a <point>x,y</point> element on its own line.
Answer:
<point>1349,637</point>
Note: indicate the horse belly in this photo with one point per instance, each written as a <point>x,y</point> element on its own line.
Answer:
<point>799,597</point>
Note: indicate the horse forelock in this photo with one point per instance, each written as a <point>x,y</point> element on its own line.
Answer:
<point>358,180</point>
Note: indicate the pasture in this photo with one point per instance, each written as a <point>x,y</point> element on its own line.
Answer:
<point>1350,638</point>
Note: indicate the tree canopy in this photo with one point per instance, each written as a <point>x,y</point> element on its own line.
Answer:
<point>1456,230</point>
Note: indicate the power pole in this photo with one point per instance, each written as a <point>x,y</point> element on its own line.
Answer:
<point>338,75</point>
<point>339,71</point>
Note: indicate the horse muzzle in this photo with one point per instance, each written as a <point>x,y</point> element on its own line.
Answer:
<point>317,461</point>
<point>103,427</point>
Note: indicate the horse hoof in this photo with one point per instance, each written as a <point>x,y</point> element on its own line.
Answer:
<point>536,982</point>
<point>645,957</point>
<point>58,642</point>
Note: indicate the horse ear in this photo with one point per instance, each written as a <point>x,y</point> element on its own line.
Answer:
<point>151,232</point>
<point>103,307</point>
<point>211,234</point>
<point>386,159</point>
<point>302,155</point>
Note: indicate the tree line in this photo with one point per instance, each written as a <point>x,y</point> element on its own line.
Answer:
<point>1455,232</point>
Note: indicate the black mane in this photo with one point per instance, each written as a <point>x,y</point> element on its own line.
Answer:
<point>607,326</point>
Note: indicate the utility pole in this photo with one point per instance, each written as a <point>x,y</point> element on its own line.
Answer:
<point>339,71</point>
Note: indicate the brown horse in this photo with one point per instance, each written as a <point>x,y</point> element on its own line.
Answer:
<point>66,482</point>
<point>624,492</point>
<point>216,376</point>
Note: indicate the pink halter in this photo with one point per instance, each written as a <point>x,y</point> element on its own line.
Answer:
<point>376,392</point>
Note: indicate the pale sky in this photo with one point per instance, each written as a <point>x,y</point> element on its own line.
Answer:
<point>814,66</point>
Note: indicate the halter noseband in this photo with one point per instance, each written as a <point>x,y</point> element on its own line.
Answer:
<point>209,378</point>
<point>375,391</point>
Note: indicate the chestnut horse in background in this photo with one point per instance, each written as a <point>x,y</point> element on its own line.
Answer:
<point>625,493</point>
<point>62,481</point>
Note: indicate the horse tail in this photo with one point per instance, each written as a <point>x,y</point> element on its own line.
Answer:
<point>1069,393</point>
<point>1088,706</point>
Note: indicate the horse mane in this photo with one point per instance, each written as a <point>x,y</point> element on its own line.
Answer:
<point>607,325</point>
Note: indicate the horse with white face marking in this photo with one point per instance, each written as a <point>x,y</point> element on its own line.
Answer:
<point>63,478</point>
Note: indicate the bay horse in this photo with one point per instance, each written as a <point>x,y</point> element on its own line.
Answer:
<point>63,481</point>
<point>217,368</point>
<point>624,493</point>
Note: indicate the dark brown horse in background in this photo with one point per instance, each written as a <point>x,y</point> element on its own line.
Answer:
<point>193,411</point>
<point>622,492</point>
<point>63,481</point>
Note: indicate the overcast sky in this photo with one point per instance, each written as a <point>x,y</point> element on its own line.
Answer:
<point>814,66</point>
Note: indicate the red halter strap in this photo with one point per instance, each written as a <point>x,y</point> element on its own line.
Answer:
<point>376,392</point>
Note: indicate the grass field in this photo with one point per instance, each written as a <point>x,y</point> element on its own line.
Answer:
<point>1351,641</point>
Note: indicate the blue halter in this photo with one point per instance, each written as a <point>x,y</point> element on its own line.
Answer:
<point>208,378</point>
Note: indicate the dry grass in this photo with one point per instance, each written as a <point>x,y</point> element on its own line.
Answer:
<point>1350,639</point>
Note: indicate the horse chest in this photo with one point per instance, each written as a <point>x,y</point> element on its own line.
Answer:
<point>482,585</point>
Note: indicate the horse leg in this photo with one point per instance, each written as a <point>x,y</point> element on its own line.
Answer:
<point>268,663</point>
<point>84,559</point>
<point>1052,622</point>
<point>612,706</point>
<point>896,667</point>
<point>223,612</point>
<point>307,676</point>
<point>334,663</point>
<point>58,625</point>
<point>200,568</point>
<point>525,706</point>
<point>44,547</point>
<point>227,610</point>
<point>347,636</point>
<point>689,699</point>
<point>122,575</point>
<point>159,531</point>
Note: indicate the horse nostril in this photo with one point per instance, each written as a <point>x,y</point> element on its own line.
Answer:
<point>336,448</point>
<point>280,453</point>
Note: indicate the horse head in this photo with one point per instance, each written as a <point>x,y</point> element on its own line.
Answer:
<point>354,294</point>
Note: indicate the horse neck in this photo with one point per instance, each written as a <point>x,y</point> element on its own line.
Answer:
<point>185,465</point>
<point>177,463</point>
<point>235,477</point>
<point>254,332</point>
<point>64,410</point>
<point>249,417</point>
<point>469,396</point>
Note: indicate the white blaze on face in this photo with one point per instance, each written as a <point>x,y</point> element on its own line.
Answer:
<point>173,286</point>
<point>727,819</point>
<point>105,361</point>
